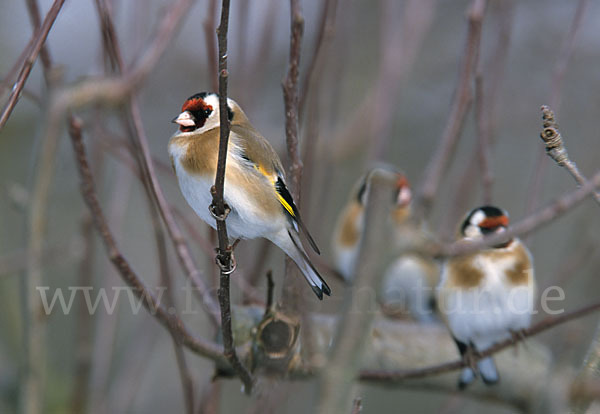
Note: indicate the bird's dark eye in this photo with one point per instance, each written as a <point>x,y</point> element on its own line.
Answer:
<point>207,112</point>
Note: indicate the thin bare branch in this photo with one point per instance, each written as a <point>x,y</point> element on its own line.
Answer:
<point>555,148</point>
<point>290,297</point>
<point>350,339</point>
<point>36,20</point>
<point>13,71</point>
<point>458,111</point>
<point>33,383</point>
<point>36,99</point>
<point>550,322</point>
<point>224,256</point>
<point>40,38</point>
<point>290,98</point>
<point>541,217</point>
<point>270,287</point>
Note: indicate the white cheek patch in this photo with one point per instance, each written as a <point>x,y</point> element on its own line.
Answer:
<point>213,100</point>
<point>477,218</point>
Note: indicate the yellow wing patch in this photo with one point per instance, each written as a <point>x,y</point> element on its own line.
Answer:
<point>273,179</point>
<point>286,205</point>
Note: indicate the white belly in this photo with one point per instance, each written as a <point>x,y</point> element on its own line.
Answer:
<point>245,220</point>
<point>486,314</point>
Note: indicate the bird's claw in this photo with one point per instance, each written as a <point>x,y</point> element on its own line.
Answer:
<point>219,217</point>
<point>226,268</point>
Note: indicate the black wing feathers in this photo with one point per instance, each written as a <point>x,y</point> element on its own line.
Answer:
<point>285,194</point>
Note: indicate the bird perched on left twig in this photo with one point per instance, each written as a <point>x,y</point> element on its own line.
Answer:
<point>255,190</point>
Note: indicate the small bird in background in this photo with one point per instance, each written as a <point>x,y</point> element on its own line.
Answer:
<point>350,224</point>
<point>409,283</point>
<point>255,190</point>
<point>487,296</point>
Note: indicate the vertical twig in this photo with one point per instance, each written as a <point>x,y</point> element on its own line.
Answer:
<point>350,339</point>
<point>224,256</point>
<point>32,389</point>
<point>35,332</point>
<point>290,98</point>
<point>458,111</point>
<point>40,36</point>
<point>33,10</point>
<point>270,287</point>
<point>290,296</point>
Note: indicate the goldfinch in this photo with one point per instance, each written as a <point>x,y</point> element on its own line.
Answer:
<point>255,189</point>
<point>487,296</point>
<point>409,282</point>
<point>349,228</point>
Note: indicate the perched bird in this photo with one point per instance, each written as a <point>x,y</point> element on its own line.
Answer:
<point>486,296</point>
<point>409,282</point>
<point>255,189</point>
<point>350,224</point>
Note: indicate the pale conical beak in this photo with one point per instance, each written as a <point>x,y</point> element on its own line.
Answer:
<point>185,119</point>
